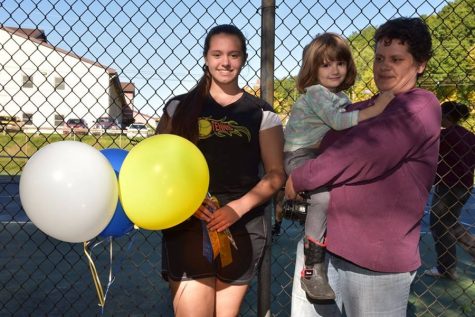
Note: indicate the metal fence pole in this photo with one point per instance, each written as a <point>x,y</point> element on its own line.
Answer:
<point>63,63</point>
<point>267,93</point>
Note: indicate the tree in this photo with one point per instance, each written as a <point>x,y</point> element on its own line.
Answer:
<point>363,54</point>
<point>285,94</point>
<point>450,74</point>
<point>451,70</point>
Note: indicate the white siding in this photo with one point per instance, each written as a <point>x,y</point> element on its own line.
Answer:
<point>85,95</point>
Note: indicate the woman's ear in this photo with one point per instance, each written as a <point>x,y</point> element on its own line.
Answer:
<point>421,67</point>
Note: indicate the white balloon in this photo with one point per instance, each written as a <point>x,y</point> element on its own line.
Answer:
<point>69,190</point>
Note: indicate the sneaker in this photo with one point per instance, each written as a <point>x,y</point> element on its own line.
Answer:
<point>434,272</point>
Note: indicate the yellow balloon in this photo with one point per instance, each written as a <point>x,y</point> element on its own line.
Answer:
<point>162,182</point>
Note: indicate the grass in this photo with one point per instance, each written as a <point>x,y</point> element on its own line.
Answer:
<point>17,148</point>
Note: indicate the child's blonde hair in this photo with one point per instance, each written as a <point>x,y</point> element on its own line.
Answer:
<point>327,47</point>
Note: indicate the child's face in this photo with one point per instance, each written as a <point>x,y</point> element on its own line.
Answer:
<point>332,73</point>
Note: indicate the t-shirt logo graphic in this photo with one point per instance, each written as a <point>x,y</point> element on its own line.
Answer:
<point>221,128</point>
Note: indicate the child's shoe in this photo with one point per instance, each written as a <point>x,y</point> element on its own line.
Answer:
<point>314,280</point>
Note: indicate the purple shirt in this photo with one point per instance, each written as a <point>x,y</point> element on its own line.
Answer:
<point>380,173</point>
<point>457,157</point>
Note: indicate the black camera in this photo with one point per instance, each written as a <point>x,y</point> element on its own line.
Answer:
<point>294,209</point>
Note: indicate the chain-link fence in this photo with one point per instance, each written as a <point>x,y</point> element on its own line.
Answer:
<point>86,70</point>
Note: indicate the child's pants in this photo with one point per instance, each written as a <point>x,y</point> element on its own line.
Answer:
<point>316,222</point>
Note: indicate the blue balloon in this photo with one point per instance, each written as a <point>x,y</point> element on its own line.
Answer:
<point>120,224</point>
<point>116,157</point>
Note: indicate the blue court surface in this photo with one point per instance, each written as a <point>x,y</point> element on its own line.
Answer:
<point>41,276</point>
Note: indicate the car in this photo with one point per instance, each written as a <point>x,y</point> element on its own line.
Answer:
<point>75,126</point>
<point>137,130</point>
<point>10,124</point>
<point>106,125</point>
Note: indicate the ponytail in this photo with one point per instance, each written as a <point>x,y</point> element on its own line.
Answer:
<point>185,118</point>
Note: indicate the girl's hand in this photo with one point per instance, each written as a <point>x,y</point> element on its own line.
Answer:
<point>205,211</point>
<point>223,218</point>
<point>289,189</point>
<point>384,98</point>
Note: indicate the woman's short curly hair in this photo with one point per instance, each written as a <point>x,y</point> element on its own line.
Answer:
<point>413,31</point>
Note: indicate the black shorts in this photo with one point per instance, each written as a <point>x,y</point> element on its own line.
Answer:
<point>183,257</point>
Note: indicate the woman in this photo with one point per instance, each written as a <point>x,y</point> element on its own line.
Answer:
<point>453,187</point>
<point>380,173</point>
<point>327,70</point>
<point>236,132</point>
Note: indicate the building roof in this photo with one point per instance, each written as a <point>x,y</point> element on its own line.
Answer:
<point>38,36</point>
<point>30,33</point>
<point>128,87</point>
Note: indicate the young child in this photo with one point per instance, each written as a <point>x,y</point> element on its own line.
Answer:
<point>327,69</point>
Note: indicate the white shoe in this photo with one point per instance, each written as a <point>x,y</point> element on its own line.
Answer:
<point>434,272</point>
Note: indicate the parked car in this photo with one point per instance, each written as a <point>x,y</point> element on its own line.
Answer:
<point>75,126</point>
<point>105,125</point>
<point>137,130</point>
<point>10,124</point>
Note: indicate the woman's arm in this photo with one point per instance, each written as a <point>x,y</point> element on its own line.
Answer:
<point>373,149</point>
<point>271,144</point>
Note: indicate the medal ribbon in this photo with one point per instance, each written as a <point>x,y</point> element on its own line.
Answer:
<point>216,243</point>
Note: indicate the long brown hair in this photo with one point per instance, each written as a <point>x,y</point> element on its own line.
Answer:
<point>185,118</point>
<point>325,47</point>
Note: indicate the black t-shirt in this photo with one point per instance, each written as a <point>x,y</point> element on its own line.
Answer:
<point>229,140</point>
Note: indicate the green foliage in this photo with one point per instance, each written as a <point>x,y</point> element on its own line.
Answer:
<point>362,47</point>
<point>450,74</point>
<point>451,71</point>
<point>285,94</point>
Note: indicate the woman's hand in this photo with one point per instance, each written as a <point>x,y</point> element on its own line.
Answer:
<point>205,211</point>
<point>223,218</point>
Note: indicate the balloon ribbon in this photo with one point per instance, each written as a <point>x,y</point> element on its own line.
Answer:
<point>217,243</point>
<point>95,275</point>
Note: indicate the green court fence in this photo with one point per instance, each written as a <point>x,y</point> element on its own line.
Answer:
<point>86,70</point>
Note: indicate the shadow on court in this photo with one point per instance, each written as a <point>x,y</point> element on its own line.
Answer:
<point>41,276</point>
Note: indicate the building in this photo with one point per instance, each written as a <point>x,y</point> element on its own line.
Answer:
<point>150,121</point>
<point>129,93</point>
<point>42,85</point>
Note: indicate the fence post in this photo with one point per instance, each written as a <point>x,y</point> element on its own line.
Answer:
<point>267,93</point>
